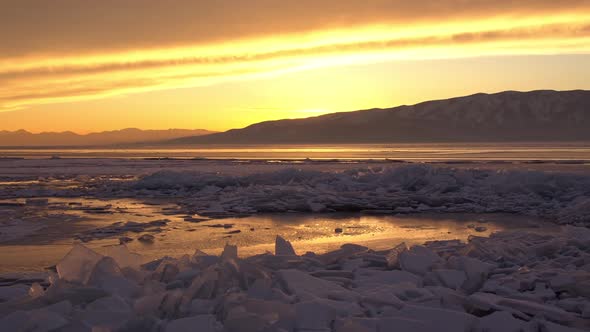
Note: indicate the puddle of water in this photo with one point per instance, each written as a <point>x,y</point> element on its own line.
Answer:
<point>59,222</point>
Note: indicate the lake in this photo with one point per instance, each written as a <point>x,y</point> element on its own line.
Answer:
<point>429,152</point>
<point>42,234</point>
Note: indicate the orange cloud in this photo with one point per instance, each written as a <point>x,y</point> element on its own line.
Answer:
<point>77,51</point>
<point>29,27</point>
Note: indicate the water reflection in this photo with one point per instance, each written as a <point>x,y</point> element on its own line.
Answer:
<point>60,224</point>
<point>455,151</point>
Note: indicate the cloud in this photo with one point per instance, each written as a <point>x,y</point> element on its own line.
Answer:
<point>70,50</point>
<point>28,27</point>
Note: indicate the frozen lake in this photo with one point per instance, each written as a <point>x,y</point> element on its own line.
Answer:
<point>544,151</point>
<point>43,233</point>
<point>498,233</point>
<point>97,201</point>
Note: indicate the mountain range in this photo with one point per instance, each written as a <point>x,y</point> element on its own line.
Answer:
<point>509,116</point>
<point>542,115</point>
<point>125,136</point>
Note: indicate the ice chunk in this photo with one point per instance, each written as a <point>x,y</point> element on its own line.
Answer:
<point>119,285</point>
<point>521,308</point>
<point>550,312</point>
<point>78,264</point>
<point>146,238</point>
<point>229,252</point>
<point>437,319</point>
<point>201,323</point>
<point>203,286</point>
<point>124,257</point>
<point>392,324</point>
<point>240,320</point>
<point>107,276</point>
<point>499,321</point>
<point>277,315</point>
<point>574,282</point>
<point>61,290</point>
<point>453,279</point>
<point>448,298</point>
<point>353,264</point>
<point>149,304</point>
<point>108,313</point>
<point>283,247</point>
<point>307,287</point>
<point>125,239</point>
<point>418,260</point>
<point>405,291</point>
<point>262,289</point>
<point>392,255</point>
<point>36,290</point>
<point>333,274</point>
<point>356,325</point>
<point>13,292</point>
<point>370,277</point>
<point>486,302</point>
<point>15,321</point>
<point>63,308</point>
<point>45,320</point>
<point>105,267</point>
<point>41,320</point>
<point>552,327</point>
<point>166,271</point>
<point>380,296</point>
<point>475,270</point>
<point>110,303</point>
<point>313,316</point>
<point>204,260</point>
<point>345,251</point>
<point>202,307</point>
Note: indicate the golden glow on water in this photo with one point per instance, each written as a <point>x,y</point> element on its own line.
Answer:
<point>307,232</point>
<point>458,151</point>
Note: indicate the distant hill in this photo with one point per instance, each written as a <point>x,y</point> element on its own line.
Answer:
<point>68,138</point>
<point>506,116</point>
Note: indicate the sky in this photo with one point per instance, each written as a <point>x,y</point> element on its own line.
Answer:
<point>101,65</point>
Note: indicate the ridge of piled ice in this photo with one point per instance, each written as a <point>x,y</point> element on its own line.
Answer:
<point>511,281</point>
<point>562,197</point>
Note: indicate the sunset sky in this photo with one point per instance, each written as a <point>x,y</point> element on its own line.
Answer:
<point>110,64</point>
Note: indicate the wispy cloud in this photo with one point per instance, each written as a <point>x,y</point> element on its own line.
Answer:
<point>143,50</point>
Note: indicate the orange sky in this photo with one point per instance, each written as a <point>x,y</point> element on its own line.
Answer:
<point>89,66</point>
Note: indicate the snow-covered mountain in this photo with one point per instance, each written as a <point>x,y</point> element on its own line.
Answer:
<point>68,138</point>
<point>506,116</point>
